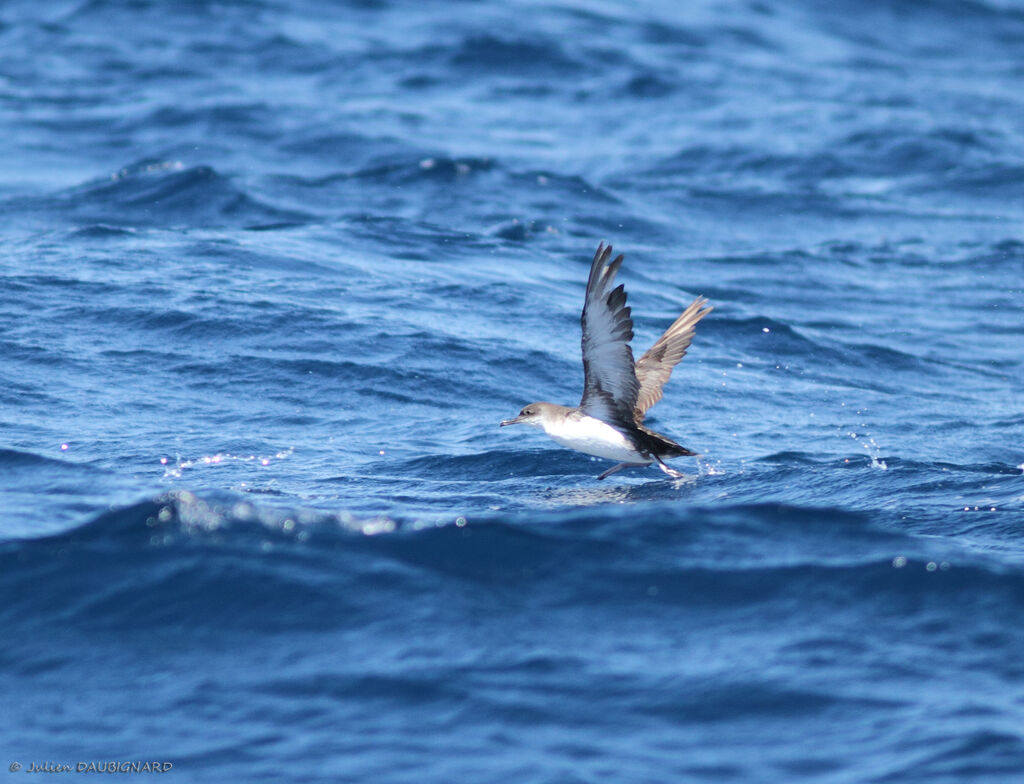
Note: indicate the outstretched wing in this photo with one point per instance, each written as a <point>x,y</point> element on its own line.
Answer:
<point>654,368</point>
<point>610,386</point>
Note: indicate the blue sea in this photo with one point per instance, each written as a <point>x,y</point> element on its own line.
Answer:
<point>272,272</point>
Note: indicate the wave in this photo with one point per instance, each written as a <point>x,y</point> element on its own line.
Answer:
<point>163,193</point>
<point>216,561</point>
<point>13,460</point>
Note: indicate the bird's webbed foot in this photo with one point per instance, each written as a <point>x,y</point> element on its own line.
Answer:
<point>670,471</point>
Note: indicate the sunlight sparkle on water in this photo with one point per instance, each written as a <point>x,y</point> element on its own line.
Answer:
<point>219,458</point>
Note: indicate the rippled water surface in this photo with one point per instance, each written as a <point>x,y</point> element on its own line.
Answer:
<point>272,273</point>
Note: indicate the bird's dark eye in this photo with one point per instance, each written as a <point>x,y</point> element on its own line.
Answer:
<point>525,412</point>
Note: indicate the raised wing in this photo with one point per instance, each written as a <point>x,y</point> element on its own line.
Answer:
<point>609,382</point>
<point>654,368</point>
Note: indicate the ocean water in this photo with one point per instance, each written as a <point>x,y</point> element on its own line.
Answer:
<point>272,272</point>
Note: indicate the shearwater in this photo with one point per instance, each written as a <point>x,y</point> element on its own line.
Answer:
<point>617,392</point>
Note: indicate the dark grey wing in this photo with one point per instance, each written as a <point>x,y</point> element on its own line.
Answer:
<point>654,368</point>
<point>609,382</point>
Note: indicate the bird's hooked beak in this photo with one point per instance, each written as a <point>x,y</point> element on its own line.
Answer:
<point>514,421</point>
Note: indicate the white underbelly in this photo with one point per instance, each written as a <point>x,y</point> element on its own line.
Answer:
<point>594,437</point>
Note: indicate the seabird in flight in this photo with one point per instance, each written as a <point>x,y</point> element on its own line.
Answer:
<point>617,392</point>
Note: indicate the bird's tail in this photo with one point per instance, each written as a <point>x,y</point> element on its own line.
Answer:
<point>663,446</point>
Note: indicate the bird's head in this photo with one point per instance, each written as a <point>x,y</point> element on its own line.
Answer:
<point>532,414</point>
